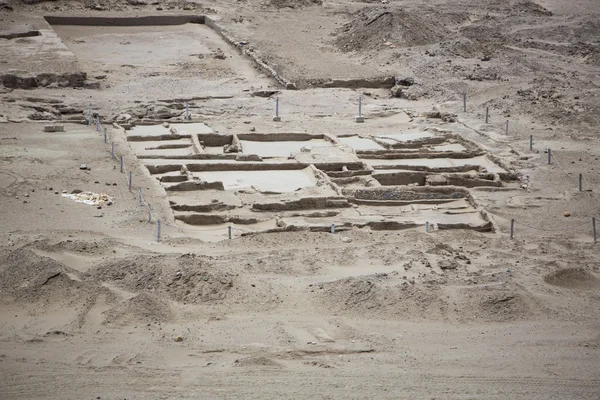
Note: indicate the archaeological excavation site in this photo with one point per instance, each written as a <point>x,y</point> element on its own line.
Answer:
<point>297,199</point>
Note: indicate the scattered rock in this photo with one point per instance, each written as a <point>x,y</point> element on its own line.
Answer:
<point>178,339</point>
<point>83,167</point>
<point>448,264</point>
<point>346,240</point>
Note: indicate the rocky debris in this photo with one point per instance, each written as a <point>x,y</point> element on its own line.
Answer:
<point>83,167</point>
<point>219,54</point>
<point>14,81</point>
<point>448,263</point>
<point>137,2</point>
<point>265,93</point>
<point>445,116</point>
<point>405,81</point>
<point>292,3</point>
<point>5,6</point>
<point>396,91</point>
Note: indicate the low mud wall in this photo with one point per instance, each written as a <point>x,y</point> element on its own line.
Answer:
<point>410,193</point>
<point>14,81</point>
<point>394,155</point>
<point>239,166</point>
<point>127,21</point>
<point>401,178</point>
<point>279,137</point>
<point>303,204</point>
<point>382,82</point>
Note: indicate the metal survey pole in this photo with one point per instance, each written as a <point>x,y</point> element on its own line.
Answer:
<point>139,197</point>
<point>427,227</point>
<point>158,230</point>
<point>512,228</point>
<point>487,114</point>
<point>121,164</point>
<point>580,182</point>
<point>594,228</point>
<point>464,102</point>
<point>130,180</point>
<point>332,228</point>
<point>506,127</point>
<point>530,142</point>
<point>105,135</point>
<point>277,107</point>
<point>187,112</point>
<point>229,229</point>
<point>549,156</point>
<point>149,214</point>
<point>112,146</point>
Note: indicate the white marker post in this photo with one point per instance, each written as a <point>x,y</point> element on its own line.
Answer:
<point>359,118</point>
<point>427,227</point>
<point>277,118</point>
<point>332,229</point>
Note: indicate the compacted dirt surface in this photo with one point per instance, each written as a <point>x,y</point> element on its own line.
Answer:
<point>93,306</point>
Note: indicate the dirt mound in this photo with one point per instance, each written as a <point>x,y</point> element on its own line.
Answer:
<point>187,278</point>
<point>373,28</point>
<point>292,3</point>
<point>372,295</point>
<point>494,304</point>
<point>27,276</point>
<point>95,247</point>
<point>573,278</point>
<point>143,308</point>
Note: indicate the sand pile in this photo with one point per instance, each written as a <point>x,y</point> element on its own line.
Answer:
<point>495,303</point>
<point>371,295</point>
<point>374,28</point>
<point>187,278</point>
<point>26,276</point>
<point>573,278</point>
<point>143,308</point>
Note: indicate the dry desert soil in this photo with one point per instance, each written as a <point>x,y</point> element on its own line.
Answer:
<point>191,207</point>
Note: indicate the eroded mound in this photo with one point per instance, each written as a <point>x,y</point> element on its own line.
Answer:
<point>573,278</point>
<point>371,295</point>
<point>187,278</point>
<point>143,308</point>
<point>26,276</point>
<point>372,28</point>
<point>292,3</point>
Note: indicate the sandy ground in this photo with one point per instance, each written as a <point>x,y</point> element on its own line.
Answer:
<point>91,306</point>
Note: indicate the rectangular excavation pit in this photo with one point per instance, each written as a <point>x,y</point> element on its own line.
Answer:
<point>276,181</point>
<point>437,164</point>
<point>143,133</point>
<point>173,55</point>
